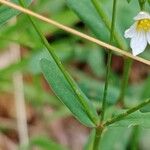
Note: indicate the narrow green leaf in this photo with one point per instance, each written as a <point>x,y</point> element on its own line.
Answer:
<point>96,61</point>
<point>65,93</point>
<point>100,26</point>
<point>44,143</point>
<point>7,13</point>
<point>87,107</point>
<point>137,118</point>
<point>86,11</point>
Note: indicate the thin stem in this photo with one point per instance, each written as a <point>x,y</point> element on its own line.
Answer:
<point>18,84</point>
<point>100,130</point>
<point>75,32</point>
<point>127,113</point>
<point>142,4</point>
<point>19,99</point>
<point>104,101</point>
<point>65,73</point>
<point>109,62</point>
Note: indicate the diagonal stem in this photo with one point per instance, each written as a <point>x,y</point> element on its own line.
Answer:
<point>77,33</point>
<point>127,113</point>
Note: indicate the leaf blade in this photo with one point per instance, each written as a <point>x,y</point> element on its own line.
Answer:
<point>65,93</point>
<point>7,13</point>
<point>134,119</point>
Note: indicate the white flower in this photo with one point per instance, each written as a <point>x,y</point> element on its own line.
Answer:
<point>139,33</point>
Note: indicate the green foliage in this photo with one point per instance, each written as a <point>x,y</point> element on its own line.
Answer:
<point>111,137</point>
<point>134,119</point>
<point>71,50</point>
<point>44,143</point>
<point>7,13</point>
<point>91,17</point>
<point>65,93</point>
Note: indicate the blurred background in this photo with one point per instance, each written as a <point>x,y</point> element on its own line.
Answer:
<point>29,110</point>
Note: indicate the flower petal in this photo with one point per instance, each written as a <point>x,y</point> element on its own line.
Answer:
<point>142,15</point>
<point>148,37</point>
<point>138,43</point>
<point>129,33</point>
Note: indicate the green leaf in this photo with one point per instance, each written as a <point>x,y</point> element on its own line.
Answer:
<point>65,93</point>
<point>145,109</point>
<point>94,89</point>
<point>137,118</point>
<point>7,13</point>
<point>45,144</point>
<point>90,141</point>
<point>95,60</point>
<point>34,65</point>
<point>115,139</point>
<point>86,11</point>
<point>99,25</point>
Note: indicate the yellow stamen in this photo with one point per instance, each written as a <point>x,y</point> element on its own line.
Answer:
<point>144,24</point>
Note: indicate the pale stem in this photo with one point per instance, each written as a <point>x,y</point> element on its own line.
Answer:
<point>19,96</point>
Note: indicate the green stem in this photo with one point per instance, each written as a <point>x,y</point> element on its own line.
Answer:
<point>142,4</point>
<point>121,43</point>
<point>65,73</point>
<point>134,138</point>
<point>97,138</point>
<point>100,130</point>
<point>104,100</point>
<point>109,62</point>
<point>127,113</point>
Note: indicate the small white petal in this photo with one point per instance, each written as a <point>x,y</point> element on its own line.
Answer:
<point>129,33</point>
<point>138,43</point>
<point>148,37</point>
<point>142,15</point>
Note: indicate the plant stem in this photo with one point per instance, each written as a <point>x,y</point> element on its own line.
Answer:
<point>142,4</point>
<point>134,138</point>
<point>109,61</point>
<point>97,138</point>
<point>100,130</point>
<point>127,113</point>
<point>65,73</point>
<point>121,43</point>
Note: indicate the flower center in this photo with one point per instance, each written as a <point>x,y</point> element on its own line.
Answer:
<point>144,24</point>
